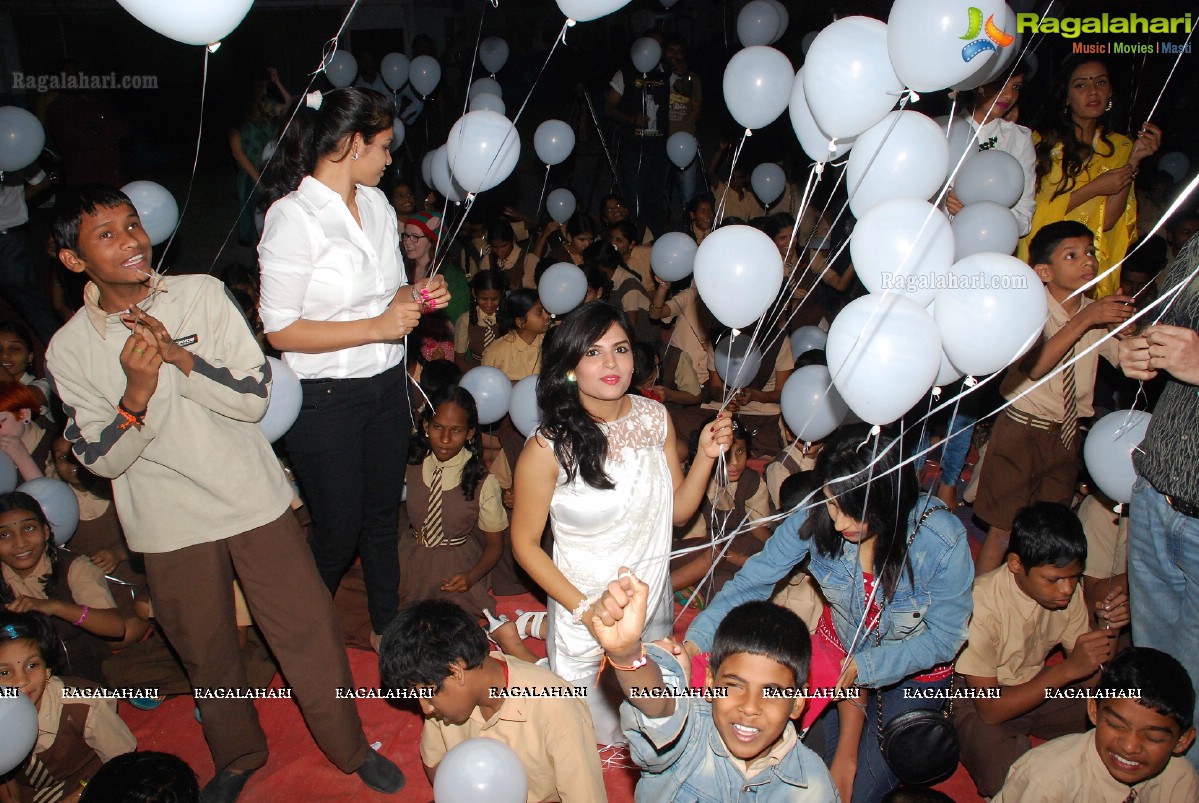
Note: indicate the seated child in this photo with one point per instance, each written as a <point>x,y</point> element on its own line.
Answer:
<point>1136,749</point>
<point>68,589</point>
<point>22,438</point>
<point>438,648</point>
<point>739,740</point>
<point>478,327</point>
<point>1022,611</point>
<point>75,736</point>
<point>725,509</point>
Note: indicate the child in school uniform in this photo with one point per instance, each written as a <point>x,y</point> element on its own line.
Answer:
<point>738,743</point>
<point>67,588</point>
<point>477,328</point>
<point>1022,611</point>
<point>723,510</point>
<point>76,734</point>
<point>523,324</point>
<point>437,648</point>
<point>1035,447</point>
<point>1143,727</point>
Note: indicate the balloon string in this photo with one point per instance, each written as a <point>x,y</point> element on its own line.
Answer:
<point>732,165</point>
<point>561,39</point>
<point>195,164</point>
<point>470,74</point>
<point>599,130</point>
<point>1184,49</point>
<point>541,198</point>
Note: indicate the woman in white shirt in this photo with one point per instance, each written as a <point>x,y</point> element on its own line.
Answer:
<point>334,302</point>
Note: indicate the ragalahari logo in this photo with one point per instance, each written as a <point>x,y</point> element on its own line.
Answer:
<point>994,40</point>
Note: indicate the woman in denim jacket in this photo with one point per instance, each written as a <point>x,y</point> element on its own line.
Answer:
<point>870,515</point>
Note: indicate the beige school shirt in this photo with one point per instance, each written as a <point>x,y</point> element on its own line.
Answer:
<point>1069,769</point>
<point>783,361</point>
<point>104,731</point>
<point>745,206</point>
<point>553,736</point>
<point>687,333</point>
<point>1011,634</point>
<point>1046,401</point>
<point>516,358</point>
<point>1107,538</point>
<point>84,578</point>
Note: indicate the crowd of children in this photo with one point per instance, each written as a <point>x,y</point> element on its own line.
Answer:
<point>648,486</point>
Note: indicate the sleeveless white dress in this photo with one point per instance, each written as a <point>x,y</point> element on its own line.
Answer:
<point>596,532</point>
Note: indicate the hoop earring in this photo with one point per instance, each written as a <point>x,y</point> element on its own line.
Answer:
<point>570,376</point>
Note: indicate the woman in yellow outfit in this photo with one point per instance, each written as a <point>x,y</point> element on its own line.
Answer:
<point>1085,170</point>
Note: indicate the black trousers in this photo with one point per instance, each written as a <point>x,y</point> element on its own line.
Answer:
<point>349,447</point>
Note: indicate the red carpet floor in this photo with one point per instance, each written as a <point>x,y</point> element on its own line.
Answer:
<point>297,771</point>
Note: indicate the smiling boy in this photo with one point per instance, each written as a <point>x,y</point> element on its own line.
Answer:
<point>1134,752</point>
<point>163,384</point>
<point>742,739</point>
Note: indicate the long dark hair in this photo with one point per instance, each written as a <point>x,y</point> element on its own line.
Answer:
<point>515,305</point>
<point>327,131</point>
<point>880,496</point>
<point>474,471</point>
<point>580,445</point>
<point>16,500</point>
<point>1058,128</point>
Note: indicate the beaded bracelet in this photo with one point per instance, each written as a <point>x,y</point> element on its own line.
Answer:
<point>637,664</point>
<point>82,617</point>
<point>577,615</point>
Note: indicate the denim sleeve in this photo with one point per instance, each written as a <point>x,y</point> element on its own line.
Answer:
<point>755,580</point>
<point>656,744</point>
<point>949,582</point>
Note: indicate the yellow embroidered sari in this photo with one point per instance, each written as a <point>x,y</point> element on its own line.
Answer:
<point>1111,245</point>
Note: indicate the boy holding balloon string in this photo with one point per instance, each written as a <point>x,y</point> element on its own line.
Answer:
<point>163,385</point>
<point>1035,447</point>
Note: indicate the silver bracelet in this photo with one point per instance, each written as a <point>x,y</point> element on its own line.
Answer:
<point>415,297</point>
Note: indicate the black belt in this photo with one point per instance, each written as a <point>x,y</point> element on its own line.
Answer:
<point>1179,506</point>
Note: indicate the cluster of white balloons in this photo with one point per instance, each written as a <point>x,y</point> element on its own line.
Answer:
<point>496,396</point>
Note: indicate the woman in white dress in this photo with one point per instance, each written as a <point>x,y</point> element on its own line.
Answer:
<point>603,467</point>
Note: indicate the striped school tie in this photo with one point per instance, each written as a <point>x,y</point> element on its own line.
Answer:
<point>488,333</point>
<point>1069,389</point>
<point>433,533</point>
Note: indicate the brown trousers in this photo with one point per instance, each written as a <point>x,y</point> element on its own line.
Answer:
<point>989,751</point>
<point>291,607</point>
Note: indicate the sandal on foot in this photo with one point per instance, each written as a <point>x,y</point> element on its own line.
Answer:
<point>494,624</point>
<point>528,624</point>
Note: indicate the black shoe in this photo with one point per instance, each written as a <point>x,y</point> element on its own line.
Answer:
<point>380,774</point>
<point>225,787</point>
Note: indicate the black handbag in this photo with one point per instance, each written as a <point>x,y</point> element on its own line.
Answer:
<point>921,747</point>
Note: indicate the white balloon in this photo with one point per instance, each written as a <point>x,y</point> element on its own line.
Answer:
<point>58,502</point>
<point>646,53</point>
<point>553,141</point>
<point>947,372</point>
<point>672,256</point>
<point>990,175</point>
<point>562,288</point>
<point>758,23</point>
<point>394,69</point>
<point>560,204</point>
<point>904,155</point>
<point>187,21</point>
<point>738,273</point>
<point>156,207</point>
<point>341,69</point>
<point>18,723</point>
<point>442,179</point>
<point>491,390</point>
<point>493,54</point>
<point>283,407</point>
<point>959,138</point>
<point>681,148</point>
<point>397,134</point>
<point>848,79</point>
<point>806,42</point>
<point>587,10</point>
<point>930,44</point>
<point>784,19</point>
<point>811,405</point>
<point>525,412</point>
<point>21,138</point>
<point>992,309</point>
<point>485,86</point>
<point>426,168</point>
<point>757,85</point>
<point>903,246</point>
<point>984,226</point>
<point>481,769</point>
<point>883,354</point>
<point>483,149</point>
<point>424,73</point>
<point>1109,448</point>
<point>768,182</point>
<point>1174,163</point>
<point>737,360</point>
<point>814,142</point>
<point>486,102</point>
<point>808,338</point>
